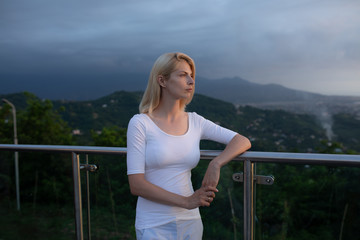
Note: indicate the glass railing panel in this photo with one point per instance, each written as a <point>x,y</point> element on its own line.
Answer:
<point>112,211</point>
<point>224,218</point>
<point>46,197</point>
<point>308,202</point>
<point>112,207</point>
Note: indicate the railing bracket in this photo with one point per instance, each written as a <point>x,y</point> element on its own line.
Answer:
<point>89,167</point>
<point>259,179</point>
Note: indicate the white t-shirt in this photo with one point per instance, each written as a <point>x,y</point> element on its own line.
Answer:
<point>167,160</point>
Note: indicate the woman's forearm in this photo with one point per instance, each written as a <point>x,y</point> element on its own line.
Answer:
<point>236,146</point>
<point>139,186</point>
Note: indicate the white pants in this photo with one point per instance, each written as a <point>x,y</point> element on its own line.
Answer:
<point>177,230</point>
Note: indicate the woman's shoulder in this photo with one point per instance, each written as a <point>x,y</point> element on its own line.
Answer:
<point>139,118</point>
<point>196,117</point>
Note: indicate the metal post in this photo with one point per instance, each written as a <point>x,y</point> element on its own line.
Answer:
<point>77,197</point>
<point>253,199</point>
<point>16,155</point>
<point>17,180</point>
<point>248,200</point>
<point>88,200</point>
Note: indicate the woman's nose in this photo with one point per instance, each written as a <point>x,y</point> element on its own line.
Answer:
<point>190,80</point>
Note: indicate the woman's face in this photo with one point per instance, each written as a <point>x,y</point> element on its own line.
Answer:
<point>180,84</point>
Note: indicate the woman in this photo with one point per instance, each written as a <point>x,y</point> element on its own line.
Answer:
<point>163,147</point>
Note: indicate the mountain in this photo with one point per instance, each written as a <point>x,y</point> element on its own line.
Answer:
<point>268,130</point>
<point>90,86</point>
<point>234,90</point>
<point>240,91</point>
<point>114,109</point>
<point>276,97</point>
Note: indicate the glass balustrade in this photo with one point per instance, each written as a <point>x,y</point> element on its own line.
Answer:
<point>316,200</point>
<point>308,202</point>
<point>46,197</point>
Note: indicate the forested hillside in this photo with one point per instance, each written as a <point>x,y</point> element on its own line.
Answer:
<point>305,202</point>
<point>269,130</point>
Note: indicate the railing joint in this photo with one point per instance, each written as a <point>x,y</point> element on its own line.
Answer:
<point>89,167</point>
<point>258,179</point>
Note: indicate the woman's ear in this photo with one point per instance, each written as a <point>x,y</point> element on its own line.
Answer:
<point>161,81</point>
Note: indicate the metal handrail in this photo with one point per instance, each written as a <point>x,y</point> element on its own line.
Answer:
<point>266,157</point>
<point>249,158</point>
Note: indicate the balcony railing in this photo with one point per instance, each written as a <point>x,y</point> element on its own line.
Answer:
<point>248,176</point>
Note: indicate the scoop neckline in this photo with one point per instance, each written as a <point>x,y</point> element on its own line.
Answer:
<point>171,135</point>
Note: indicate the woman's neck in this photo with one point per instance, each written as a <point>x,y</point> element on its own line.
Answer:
<point>168,109</point>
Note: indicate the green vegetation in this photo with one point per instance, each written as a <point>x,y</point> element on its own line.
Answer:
<point>305,202</point>
<point>347,130</point>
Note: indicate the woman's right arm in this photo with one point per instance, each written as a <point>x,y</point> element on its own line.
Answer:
<point>139,186</point>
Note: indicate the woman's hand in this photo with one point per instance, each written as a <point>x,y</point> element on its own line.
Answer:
<point>201,197</point>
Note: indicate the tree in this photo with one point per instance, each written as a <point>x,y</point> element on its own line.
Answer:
<point>44,177</point>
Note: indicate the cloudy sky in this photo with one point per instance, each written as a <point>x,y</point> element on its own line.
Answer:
<point>311,45</point>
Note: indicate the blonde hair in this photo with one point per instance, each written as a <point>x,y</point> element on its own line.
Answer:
<point>164,65</point>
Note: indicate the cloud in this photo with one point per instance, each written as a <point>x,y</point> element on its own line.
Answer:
<point>275,41</point>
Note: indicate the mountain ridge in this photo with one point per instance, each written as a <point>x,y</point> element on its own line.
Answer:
<point>89,87</point>
<point>241,91</point>
<point>235,90</point>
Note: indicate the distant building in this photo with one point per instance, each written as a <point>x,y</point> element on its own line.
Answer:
<point>76,132</point>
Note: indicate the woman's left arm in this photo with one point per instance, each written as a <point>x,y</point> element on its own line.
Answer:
<point>236,146</point>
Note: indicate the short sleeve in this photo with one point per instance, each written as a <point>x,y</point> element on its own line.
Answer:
<point>214,132</point>
<point>136,145</point>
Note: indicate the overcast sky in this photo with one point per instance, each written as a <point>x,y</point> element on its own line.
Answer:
<point>311,45</point>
